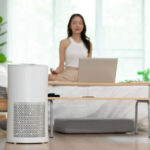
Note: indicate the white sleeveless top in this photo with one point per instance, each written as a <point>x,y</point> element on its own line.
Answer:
<point>73,52</point>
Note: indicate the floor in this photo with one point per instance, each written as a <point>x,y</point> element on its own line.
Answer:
<point>84,142</point>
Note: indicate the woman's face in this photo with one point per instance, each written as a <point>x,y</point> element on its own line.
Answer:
<point>76,25</point>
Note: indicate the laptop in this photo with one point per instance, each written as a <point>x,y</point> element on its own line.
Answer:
<point>97,70</point>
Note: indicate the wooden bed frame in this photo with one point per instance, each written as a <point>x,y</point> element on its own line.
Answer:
<point>138,100</point>
<point>3,105</point>
<point>3,102</point>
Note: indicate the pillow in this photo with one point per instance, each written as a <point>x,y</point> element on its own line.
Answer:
<point>3,124</point>
<point>3,92</point>
<point>3,76</point>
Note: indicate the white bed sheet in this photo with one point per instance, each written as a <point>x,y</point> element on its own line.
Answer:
<point>100,108</point>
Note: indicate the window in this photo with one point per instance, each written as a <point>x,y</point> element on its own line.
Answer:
<point>116,29</point>
<point>122,35</point>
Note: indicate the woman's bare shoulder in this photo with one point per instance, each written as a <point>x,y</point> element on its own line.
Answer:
<point>65,42</point>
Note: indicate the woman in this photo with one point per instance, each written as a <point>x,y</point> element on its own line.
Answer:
<point>76,45</point>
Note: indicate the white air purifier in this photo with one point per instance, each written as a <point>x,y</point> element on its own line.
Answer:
<point>27,103</point>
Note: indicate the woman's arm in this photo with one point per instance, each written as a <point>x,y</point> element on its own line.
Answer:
<point>60,68</point>
<point>62,47</point>
<point>90,53</point>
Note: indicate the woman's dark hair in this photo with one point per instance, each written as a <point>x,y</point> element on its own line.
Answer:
<point>85,39</point>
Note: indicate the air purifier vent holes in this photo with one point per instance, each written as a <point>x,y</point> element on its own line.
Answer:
<point>29,119</point>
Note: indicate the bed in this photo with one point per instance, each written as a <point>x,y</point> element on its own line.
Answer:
<point>98,100</point>
<point>3,96</point>
<point>3,88</point>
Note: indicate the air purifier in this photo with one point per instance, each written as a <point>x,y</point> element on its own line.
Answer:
<point>27,103</point>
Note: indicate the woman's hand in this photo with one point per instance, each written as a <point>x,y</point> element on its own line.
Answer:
<point>53,71</point>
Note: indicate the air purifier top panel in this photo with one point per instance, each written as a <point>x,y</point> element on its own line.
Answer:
<point>27,81</point>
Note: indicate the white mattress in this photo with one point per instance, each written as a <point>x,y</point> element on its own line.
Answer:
<point>102,109</point>
<point>101,91</point>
